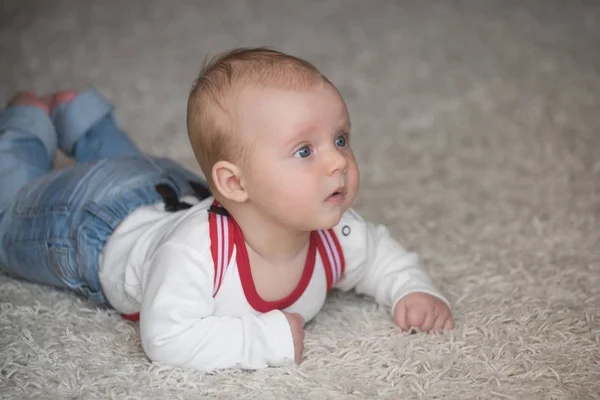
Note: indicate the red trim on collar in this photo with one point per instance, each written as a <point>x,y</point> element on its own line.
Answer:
<point>247,281</point>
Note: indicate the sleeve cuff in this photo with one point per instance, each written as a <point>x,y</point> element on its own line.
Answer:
<point>281,338</point>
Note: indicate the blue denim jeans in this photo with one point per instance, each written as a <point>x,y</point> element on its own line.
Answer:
<point>54,224</point>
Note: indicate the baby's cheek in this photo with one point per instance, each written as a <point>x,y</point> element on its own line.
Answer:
<point>354,177</point>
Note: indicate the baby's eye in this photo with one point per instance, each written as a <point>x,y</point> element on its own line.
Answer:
<point>341,141</point>
<point>304,152</point>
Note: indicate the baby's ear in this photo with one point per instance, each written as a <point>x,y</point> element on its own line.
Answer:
<point>227,178</point>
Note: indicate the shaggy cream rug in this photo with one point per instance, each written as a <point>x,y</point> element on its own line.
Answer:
<point>477,126</point>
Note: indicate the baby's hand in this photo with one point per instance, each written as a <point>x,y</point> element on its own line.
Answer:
<point>297,325</point>
<point>423,311</point>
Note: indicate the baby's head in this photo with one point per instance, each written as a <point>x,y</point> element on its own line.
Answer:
<point>269,129</point>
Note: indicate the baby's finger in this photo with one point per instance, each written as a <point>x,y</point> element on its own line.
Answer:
<point>400,316</point>
<point>449,324</point>
<point>440,322</point>
<point>429,322</point>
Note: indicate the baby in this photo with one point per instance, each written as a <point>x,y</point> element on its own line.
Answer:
<point>218,278</point>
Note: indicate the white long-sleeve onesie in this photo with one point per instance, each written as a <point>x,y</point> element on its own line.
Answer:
<point>160,265</point>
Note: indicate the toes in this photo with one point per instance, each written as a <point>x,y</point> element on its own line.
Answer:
<point>48,101</point>
<point>58,98</point>
<point>64,96</point>
<point>22,98</point>
<point>28,98</point>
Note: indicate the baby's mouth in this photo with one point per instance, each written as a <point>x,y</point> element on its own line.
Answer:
<point>337,196</point>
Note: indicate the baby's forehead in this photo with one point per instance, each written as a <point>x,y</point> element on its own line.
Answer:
<point>265,105</point>
<point>248,91</point>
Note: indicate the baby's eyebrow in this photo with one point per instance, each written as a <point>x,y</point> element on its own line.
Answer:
<point>304,130</point>
<point>345,125</point>
<point>344,119</point>
<point>299,135</point>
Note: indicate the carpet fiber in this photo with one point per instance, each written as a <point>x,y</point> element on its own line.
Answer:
<point>477,128</point>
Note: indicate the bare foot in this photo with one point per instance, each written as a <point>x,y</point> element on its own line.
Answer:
<point>48,102</point>
<point>28,98</point>
<point>54,99</point>
<point>65,96</point>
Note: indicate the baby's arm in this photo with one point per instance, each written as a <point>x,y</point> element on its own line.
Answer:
<point>395,277</point>
<point>177,326</point>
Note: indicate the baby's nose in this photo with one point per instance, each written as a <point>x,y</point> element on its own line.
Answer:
<point>337,162</point>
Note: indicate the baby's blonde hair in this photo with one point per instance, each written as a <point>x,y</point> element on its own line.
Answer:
<point>211,115</point>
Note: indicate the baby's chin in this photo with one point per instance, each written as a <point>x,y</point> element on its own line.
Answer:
<point>330,221</point>
<point>319,219</point>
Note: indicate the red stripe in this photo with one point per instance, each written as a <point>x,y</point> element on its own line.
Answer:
<point>338,249</point>
<point>226,226</point>
<point>231,230</point>
<point>325,258</point>
<point>132,317</point>
<point>214,241</point>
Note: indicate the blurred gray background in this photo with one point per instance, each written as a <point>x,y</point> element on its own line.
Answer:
<point>476,125</point>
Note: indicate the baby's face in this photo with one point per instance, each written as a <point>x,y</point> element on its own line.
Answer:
<point>300,170</point>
